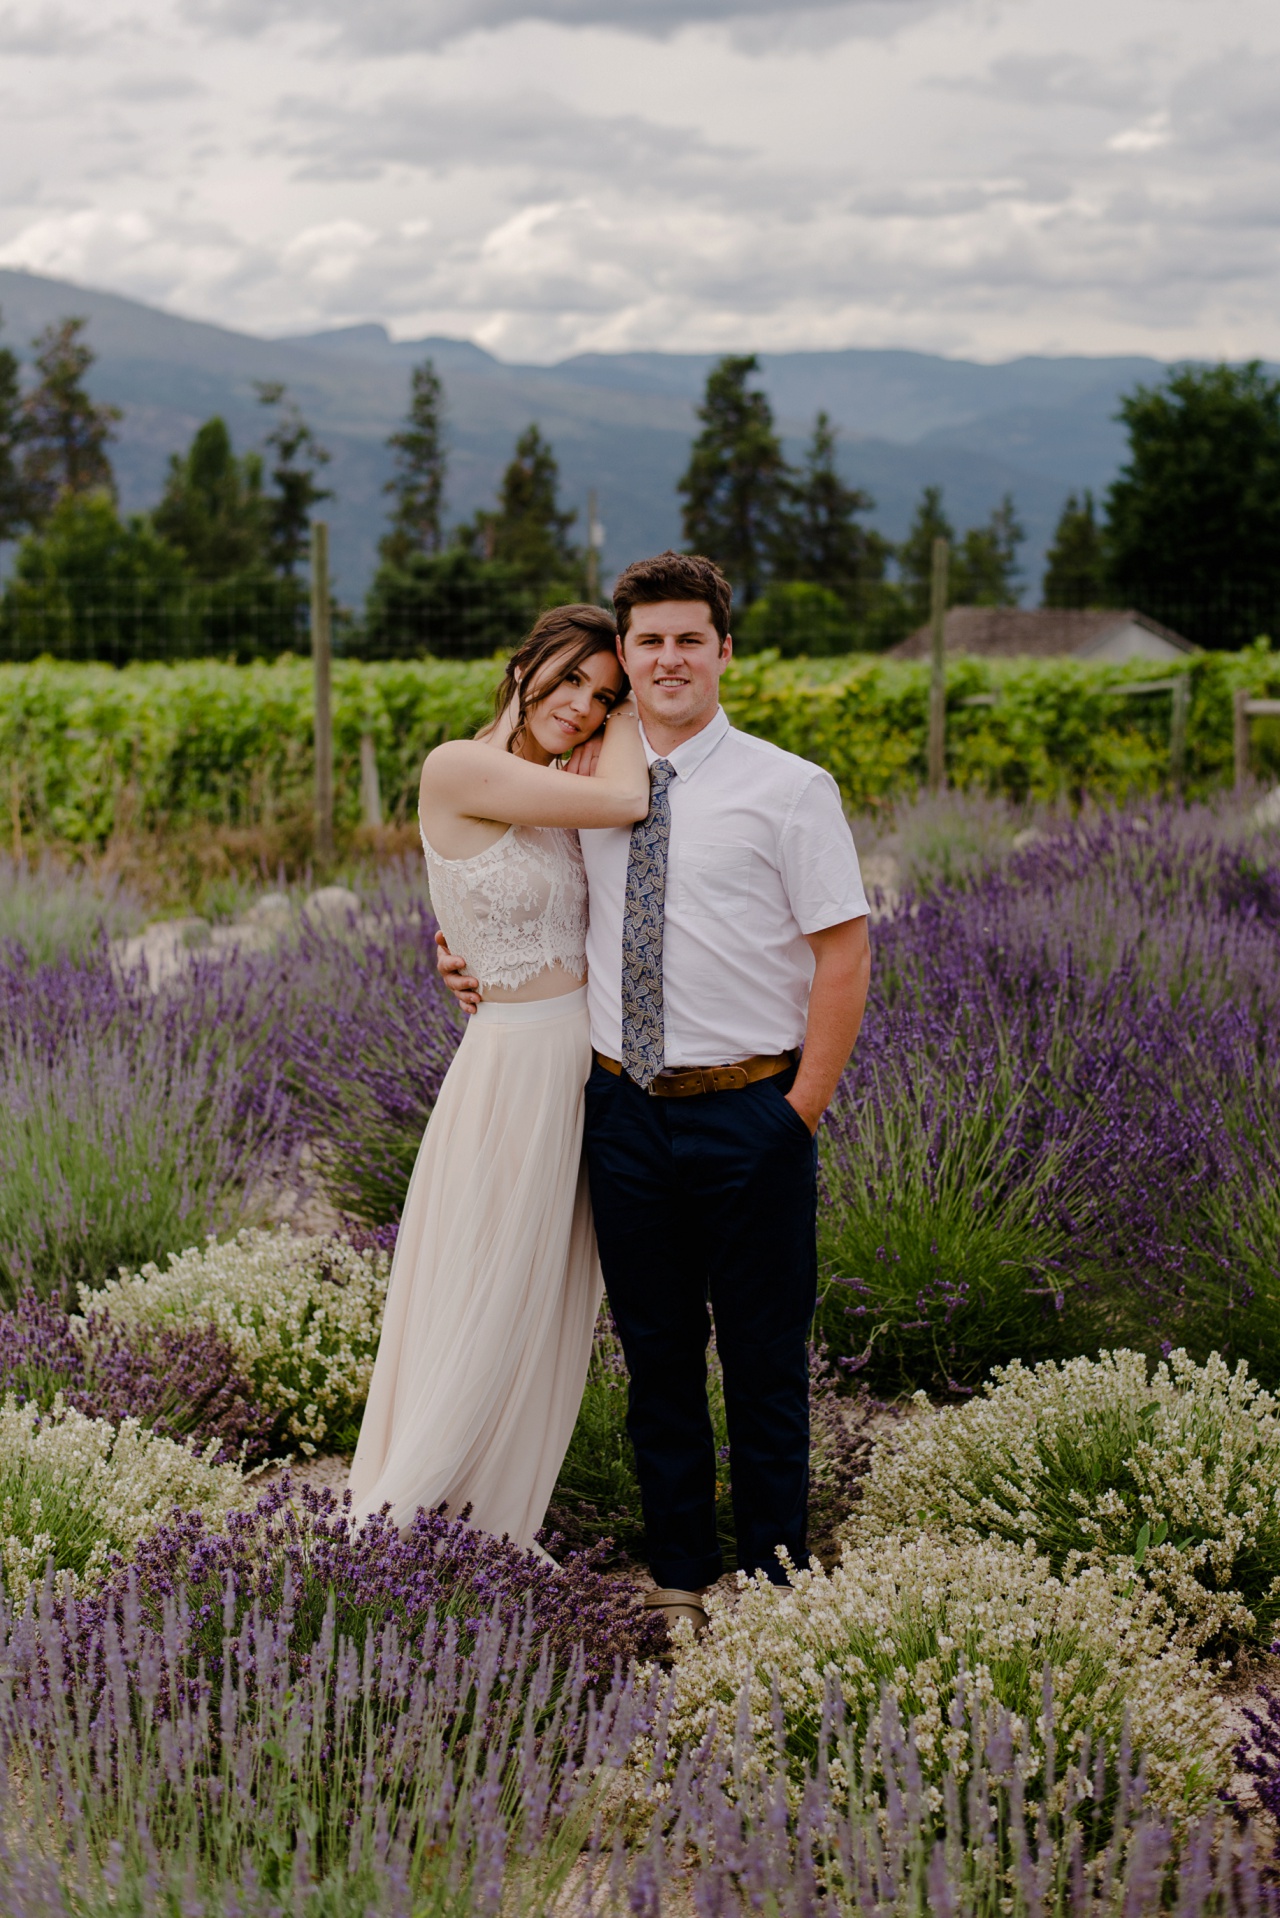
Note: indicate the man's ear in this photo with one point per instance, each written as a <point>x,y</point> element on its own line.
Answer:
<point>726,648</point>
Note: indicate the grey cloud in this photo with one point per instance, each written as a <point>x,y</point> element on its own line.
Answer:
<point>398,26</point>
<point>1123,82</point>
<point>142,89</point>
<point>50,33</point>
<point>535,134</point>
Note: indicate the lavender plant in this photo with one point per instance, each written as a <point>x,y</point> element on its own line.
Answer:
<point>301,1313</point>
<point>1170,1477</point>
<point>353,1789</point>
<point>50,912</point>
<point>297,1553</point>
<point>181,1383</point>
<point>135,1121</point>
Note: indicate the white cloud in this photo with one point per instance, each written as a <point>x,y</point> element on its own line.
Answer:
<point>963,175</point>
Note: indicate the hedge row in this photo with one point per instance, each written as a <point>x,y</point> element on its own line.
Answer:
<point>88,750</point>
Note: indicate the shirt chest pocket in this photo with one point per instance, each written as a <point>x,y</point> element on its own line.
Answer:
<point>714,880</point>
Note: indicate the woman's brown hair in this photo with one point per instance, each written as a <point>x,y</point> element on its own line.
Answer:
<point>577,632</point>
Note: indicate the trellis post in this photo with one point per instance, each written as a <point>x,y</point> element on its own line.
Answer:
<point>321,637</point>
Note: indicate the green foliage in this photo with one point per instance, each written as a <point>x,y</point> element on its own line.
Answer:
<point>13,500</point>
<point>65,433</point>
<point>797,618</point>
<point>915,554</point>
<point>1169,1476</point>
<point>1075,570</point>
<point>90,749</point>
<point>984,567</point>
<point>736,481</point>
<point>298,459</point>
<point>453,605</point>
<point>819,539</point>
<point>91,585</point>
<point>212,508</point>
<point>1193,521</point>
<point>418,484</point>
<point>529,534</point>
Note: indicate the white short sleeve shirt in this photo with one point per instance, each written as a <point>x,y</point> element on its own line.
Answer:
<point>760,855</point>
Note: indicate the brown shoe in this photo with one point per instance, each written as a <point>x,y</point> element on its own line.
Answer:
<point>675,1605</point>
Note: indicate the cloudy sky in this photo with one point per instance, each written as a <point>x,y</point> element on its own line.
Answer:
<point>975,177</point>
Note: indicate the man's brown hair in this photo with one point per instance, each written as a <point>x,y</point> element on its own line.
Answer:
<point>673,576</point>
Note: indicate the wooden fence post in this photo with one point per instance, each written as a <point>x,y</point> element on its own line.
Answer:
<point>593,550</point>
<point>1178,731</point>
<point>938,671</point>
<point>320,660</point>
<point>370,787</point>
<point>1240,737</point>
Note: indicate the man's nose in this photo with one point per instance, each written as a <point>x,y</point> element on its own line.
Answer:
<point>669,657</point>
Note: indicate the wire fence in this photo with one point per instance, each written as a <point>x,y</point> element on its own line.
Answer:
<point>112,622</point>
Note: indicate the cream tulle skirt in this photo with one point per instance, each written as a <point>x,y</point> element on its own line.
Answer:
<point>495,1285</point>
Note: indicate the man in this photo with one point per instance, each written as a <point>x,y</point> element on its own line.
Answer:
<point>727,930</point>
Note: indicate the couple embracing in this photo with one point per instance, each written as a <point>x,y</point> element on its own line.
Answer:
<point>659,925</point>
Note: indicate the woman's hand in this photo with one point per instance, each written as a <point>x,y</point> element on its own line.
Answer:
<point>583,758</point>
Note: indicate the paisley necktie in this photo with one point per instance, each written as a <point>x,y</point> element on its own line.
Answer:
<point>642,1040</point>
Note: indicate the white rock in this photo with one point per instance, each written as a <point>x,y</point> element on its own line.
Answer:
<point>272,909</point>
<point>333,907</point>
<point>1029,836</point>
<point>1267,810</point>
<point>165,948</point>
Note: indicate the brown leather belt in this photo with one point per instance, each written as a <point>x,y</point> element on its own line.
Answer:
<point>682,1082</point>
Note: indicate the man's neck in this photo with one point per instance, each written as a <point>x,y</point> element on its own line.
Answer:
<point>664,739</point>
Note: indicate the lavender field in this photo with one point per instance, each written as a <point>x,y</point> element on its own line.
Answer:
<point>1018,1677</point>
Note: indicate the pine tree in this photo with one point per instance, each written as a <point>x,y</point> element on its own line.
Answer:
<point>213,509</point>
<point>984,567</point>
<point>1075,575</point>
<point>299,457</point>
<point>14,514</point>
<point>915,554</point>
<point>735,485</point>
<point>529,533</point>
<point>65,433</point>
<point>418,485</point>
<point>819,539</point>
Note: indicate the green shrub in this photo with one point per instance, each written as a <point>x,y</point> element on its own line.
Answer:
<point>931,1623</point>
<point>799,620</point>
<point>90,749</point>
<point>1170,1479</point>
<point>453,605</point>
<point>301,1312</point>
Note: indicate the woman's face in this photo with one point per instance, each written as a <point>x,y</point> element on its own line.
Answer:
<point>577,707</point>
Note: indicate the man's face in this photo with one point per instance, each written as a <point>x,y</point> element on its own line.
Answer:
<point>674,658</point>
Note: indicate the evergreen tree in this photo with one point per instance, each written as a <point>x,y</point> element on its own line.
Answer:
<point>213,509</point>
<point>529,534</point>
<point>819,538</point>
<point>13,493</point>
<point>66,434</point>
<point>915,555</point>
<point>1075,573</point>
<point>1193,521</point>
<point>418,485</point>
<point>298,458</point>
<point>984,568</point>
<point>735,485</point>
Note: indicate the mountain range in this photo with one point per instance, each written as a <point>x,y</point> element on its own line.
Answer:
<point>1037,427</point>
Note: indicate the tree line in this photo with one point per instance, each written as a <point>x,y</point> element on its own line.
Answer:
<point>1189,530</point>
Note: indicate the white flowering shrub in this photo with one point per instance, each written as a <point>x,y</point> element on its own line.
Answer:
<point>1171,1475</point>
<point>76,1489</point>
<point>950,1631</point>
<point>302,1314</point>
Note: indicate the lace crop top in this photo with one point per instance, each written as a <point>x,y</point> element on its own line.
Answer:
<point>515,908</point>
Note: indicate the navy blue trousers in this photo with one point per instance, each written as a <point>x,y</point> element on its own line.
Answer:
<point>708,1206</point>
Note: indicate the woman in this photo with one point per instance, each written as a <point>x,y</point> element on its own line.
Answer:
<point>495,1284</point>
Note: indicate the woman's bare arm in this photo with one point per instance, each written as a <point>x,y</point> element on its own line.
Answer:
<point>473,780</point>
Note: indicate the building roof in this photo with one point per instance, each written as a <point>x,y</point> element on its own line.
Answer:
<point>1045,632</point>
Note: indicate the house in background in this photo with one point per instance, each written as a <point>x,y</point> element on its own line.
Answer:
<point>1009,632</point>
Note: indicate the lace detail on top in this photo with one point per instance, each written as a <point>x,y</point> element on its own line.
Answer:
<point>515,908</point>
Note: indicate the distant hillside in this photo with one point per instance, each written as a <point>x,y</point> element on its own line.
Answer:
<point>619,422</point>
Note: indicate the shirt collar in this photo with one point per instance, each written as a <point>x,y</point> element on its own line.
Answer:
<point>689,755</point>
